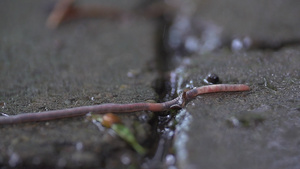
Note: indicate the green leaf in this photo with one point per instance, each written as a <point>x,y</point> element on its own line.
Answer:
<point>126,134</point>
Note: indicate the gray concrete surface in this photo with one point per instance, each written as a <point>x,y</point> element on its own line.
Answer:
<point>267,19</point>
<point>87,62</point>
<point>256,129</point>
<point>84,62</point>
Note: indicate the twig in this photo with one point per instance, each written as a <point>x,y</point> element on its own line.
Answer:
<point>176,103</point>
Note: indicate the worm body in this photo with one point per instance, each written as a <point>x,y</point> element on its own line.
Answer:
<point>216,88</point>
<point>178,102</point>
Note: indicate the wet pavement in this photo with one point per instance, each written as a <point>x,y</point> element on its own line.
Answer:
<point>84,62</point>
<point>94,61</point>
<point>255,129</point>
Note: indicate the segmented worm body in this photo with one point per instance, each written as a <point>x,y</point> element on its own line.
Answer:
<point>191,94</point>
<point>178,102</point>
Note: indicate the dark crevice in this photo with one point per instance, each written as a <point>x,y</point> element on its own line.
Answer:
<point>165,63</point>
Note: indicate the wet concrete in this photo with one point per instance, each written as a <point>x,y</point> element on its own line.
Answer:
<point>84,62</point>
<point>255,129</point>
<point>93,61</point>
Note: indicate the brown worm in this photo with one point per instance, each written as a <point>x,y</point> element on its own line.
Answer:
<point>216,88</point>
<point>178,102</point>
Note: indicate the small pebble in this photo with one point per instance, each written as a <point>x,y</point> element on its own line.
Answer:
<point>109,119</point>
<point>212,79</point>
<point>126,159</point>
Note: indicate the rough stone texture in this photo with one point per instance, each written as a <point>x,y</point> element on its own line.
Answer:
<point>255,129</point>
<point>83,62</point>
<point>86,62</point>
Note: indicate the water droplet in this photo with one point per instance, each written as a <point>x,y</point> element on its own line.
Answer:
<point>79,146</point>
<point>190,85</point>
<point>170,159</point>
<point>233,121</point>
<point>191,44</point>
<point>13,160</point>
<point>133,73</point>
<point>125,159</point>
<point>236,45</point>
<point>3,114</point>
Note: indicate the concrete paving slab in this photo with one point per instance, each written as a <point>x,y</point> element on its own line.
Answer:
<point>84,62</point>
<point>255,129</point>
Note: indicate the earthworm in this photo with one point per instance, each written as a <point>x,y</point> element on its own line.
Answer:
<point>178,102</point>
<point>216,88</point>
